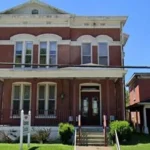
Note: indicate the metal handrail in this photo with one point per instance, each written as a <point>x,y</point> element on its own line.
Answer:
<point>117,141</point>
<point>75,139</point>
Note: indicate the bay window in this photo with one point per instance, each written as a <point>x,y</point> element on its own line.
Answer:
<point>46,99</point>
<point>103,53</point>
<point>23,54</point>
<point>48,54</point>
<point>21,95</point>
<point>86,53</point>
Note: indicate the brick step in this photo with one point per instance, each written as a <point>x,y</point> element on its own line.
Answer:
<point>92,137</point>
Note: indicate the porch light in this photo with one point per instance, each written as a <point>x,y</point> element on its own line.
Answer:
<point>62,96</point>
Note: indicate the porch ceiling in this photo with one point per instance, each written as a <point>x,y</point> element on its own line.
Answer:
<point>68,72</point>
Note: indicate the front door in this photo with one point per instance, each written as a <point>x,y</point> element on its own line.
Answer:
<point>90,108</point>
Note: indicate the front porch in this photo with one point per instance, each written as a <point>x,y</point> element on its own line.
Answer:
<point>90,93</point>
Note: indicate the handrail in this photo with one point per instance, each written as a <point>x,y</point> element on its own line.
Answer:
<point>105,129</point>
<point>75,139</point>
<point>117,141</point>
<point>79,127</point>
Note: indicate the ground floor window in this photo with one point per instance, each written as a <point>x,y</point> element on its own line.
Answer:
<point>21,96</point>
<point>46,99</point>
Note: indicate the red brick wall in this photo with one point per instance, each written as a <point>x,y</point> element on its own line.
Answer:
<point>66,54</point>
<point>64,86</point>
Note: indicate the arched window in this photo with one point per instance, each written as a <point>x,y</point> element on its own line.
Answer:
<point>47,95</point>
<point>21,97</point>
<point>35,11</point>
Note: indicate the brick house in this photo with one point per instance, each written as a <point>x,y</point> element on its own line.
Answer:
<point>139,105</point>
<point>60,65</point>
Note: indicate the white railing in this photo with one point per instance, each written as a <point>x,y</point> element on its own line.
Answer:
<point>75,139</point>
<point>117,141</point>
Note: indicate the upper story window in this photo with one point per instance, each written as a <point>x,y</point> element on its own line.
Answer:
<point>23,54</point>
<point>86,53</point>
<point>48,54</point>
<point>35,11</point>
<point>46,99</point>
<point>103,53</point>
<point>21,95</point>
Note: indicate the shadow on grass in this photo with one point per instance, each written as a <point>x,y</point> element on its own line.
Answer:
<point>138,138</point>
<point>34,148</point>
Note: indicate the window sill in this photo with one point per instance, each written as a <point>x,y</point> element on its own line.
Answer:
<point>45,117</point>
<point>15,117</point>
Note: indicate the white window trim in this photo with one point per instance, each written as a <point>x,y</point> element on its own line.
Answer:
<point>108,61</point>
<point>46,103</point>
<point>47,53</point>
<point>21,84</point>
<point>23,54</point>
<point>82,51</point>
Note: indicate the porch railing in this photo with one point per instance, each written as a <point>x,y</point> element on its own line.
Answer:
<point>79,128</point>
<point>38,117</point>
<point>105,129</point>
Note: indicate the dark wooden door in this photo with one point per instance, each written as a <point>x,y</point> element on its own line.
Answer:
<point>90,108</point>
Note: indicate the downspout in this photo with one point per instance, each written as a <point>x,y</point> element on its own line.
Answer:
<point>122,62</point>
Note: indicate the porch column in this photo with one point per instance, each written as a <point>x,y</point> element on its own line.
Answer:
<point>108,99</point>
<point>145,121</point>
<point>33,101</point>
<point>74,101</point>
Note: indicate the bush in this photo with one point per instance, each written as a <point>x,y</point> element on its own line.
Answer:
<point>41,136</point>
<point>66,131</point>
<point>124,131</point>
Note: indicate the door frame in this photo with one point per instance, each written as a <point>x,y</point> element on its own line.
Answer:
<point>100,96</point>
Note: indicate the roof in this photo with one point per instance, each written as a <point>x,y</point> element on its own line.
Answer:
<point>9,11</point>
<point>135,75</point>
<point>136,106</point>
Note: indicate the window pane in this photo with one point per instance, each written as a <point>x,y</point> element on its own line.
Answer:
<point>19,47</point>
<point>26,106</point>
<point>18,61</point>
<point>86,49</point>
<point>52,92</point>
<point>28,60</point>
<point>41,107</point>
<point>29,47</point>
<point>103,49</point>
<point>42,92</point>
<point>16,105</point>
<point>51,107</point>
<point>52,60</point>
<point>103,61</point>
<point>86,59</point>
<point>42,60</point>
<point>53,46</point>
<point>43,47</point>
<point>27,92</point>
<point>16,92</point>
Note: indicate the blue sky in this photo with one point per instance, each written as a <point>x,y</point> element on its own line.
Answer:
<point>137,49</point>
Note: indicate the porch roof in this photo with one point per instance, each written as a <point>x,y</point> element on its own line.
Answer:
<point>136,106</point>
<point>68,72</point>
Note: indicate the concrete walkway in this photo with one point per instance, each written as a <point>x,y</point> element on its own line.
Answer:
<point>93,148</point>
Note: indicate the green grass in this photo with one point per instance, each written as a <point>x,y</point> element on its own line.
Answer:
<point>36,147</point>
<point>138,142</point>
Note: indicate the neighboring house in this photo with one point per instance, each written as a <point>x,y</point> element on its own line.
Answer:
<point>139,107</point>
<point>56,65</point>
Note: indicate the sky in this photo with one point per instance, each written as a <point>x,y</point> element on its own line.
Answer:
<point>137,49</point>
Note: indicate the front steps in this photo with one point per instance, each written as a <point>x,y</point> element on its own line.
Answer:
<point>91,137</point>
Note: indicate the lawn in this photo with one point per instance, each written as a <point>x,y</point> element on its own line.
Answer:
<point>36,147</point>
<point>138,142</point>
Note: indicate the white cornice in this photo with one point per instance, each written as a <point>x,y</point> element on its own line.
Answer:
<point>63,20</point>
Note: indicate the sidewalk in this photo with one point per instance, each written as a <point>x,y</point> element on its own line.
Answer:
<point>93,148</point>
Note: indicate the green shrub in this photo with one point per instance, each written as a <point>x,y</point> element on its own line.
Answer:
<point>66,131</point>
<point>124,131</point>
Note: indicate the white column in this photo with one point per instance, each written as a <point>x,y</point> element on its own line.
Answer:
<point>145,121</point>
